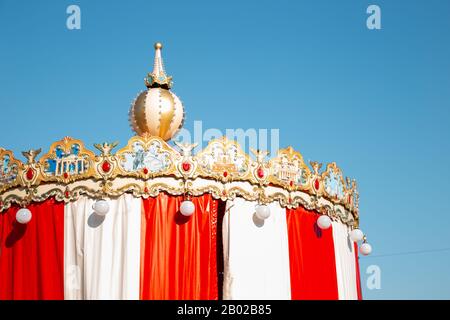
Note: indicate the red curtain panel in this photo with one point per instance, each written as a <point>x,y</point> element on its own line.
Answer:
<point>312,260</point>
<point>358,275</point>
<point>32,255</point>
<point>178,254</point>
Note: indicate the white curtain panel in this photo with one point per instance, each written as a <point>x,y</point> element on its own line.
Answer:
<point>256,253</point>
<point>345,262</point>
<point>102,254</point>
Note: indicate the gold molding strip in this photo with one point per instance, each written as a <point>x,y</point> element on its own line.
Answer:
<point>148,165</point>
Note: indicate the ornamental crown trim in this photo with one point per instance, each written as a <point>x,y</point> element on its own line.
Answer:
<point>148,165</point>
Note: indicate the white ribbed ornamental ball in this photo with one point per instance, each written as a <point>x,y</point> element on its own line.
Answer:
<point>262,211</point>
<point>23,216</point>
<point>187,208</point>
<point>101,207</point>
<point>356,235</point>
<point>365,249</point>
<point>324,222</point>
<point>157,111</point>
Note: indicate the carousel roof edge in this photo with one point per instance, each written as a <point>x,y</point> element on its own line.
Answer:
<point>148,164</point>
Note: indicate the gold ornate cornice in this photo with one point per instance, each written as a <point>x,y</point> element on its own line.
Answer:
<point>148,165</point>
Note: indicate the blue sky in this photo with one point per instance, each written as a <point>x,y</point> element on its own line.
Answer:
<point>375,101</point>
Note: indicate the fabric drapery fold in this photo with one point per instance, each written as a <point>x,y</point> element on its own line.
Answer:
<point>32,254</point>
<point>102,252</point>
<point>345,262</point>
<point>178,253</point>
<point>145,249</point>
<point>358,275</point>
<point>256,253</point>
<point>312,257</point>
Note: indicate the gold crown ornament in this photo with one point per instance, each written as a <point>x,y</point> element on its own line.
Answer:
<point>157,111</point>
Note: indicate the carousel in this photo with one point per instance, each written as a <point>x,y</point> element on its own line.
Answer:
<point>152,219</point>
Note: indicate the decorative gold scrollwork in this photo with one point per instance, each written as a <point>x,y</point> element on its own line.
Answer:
<point>148,165</point>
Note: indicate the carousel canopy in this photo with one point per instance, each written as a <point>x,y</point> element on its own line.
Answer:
<point>155,220</point>
<point>148,165</point>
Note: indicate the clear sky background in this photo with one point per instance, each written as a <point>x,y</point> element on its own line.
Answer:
<point>375,101</point>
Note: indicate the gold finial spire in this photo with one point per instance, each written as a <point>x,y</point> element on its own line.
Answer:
<point>158,77</point>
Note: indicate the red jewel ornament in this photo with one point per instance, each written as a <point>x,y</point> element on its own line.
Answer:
<point>225,174</point>
<point>145,171</point>
<point>186,166</point>
<point>316,184</point>
<point>67,194</point>
<point>146,190</point>
<point>66,175</point>
<point>291,183</point>
<point>260,173</point>
<point>30,174</point>
<point>106,166</point>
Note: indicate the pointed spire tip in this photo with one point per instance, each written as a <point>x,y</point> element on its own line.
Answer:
<point>158,77</point>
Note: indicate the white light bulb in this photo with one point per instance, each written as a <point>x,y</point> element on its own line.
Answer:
<point>365,249</point>
<point>101,207</point>
<point>324,222</point>
<point>23,216</point>
<point>187,208</point>
<point>356,235</point>
<point>262,211</point>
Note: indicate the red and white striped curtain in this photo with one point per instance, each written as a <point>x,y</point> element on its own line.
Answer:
<point>256,253</point>
<point>145,249</point>
<point>32,255</point>
<point>178,253</point>
<point>312,257</point>
<point>346,271</point>
<point>101,253</point>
